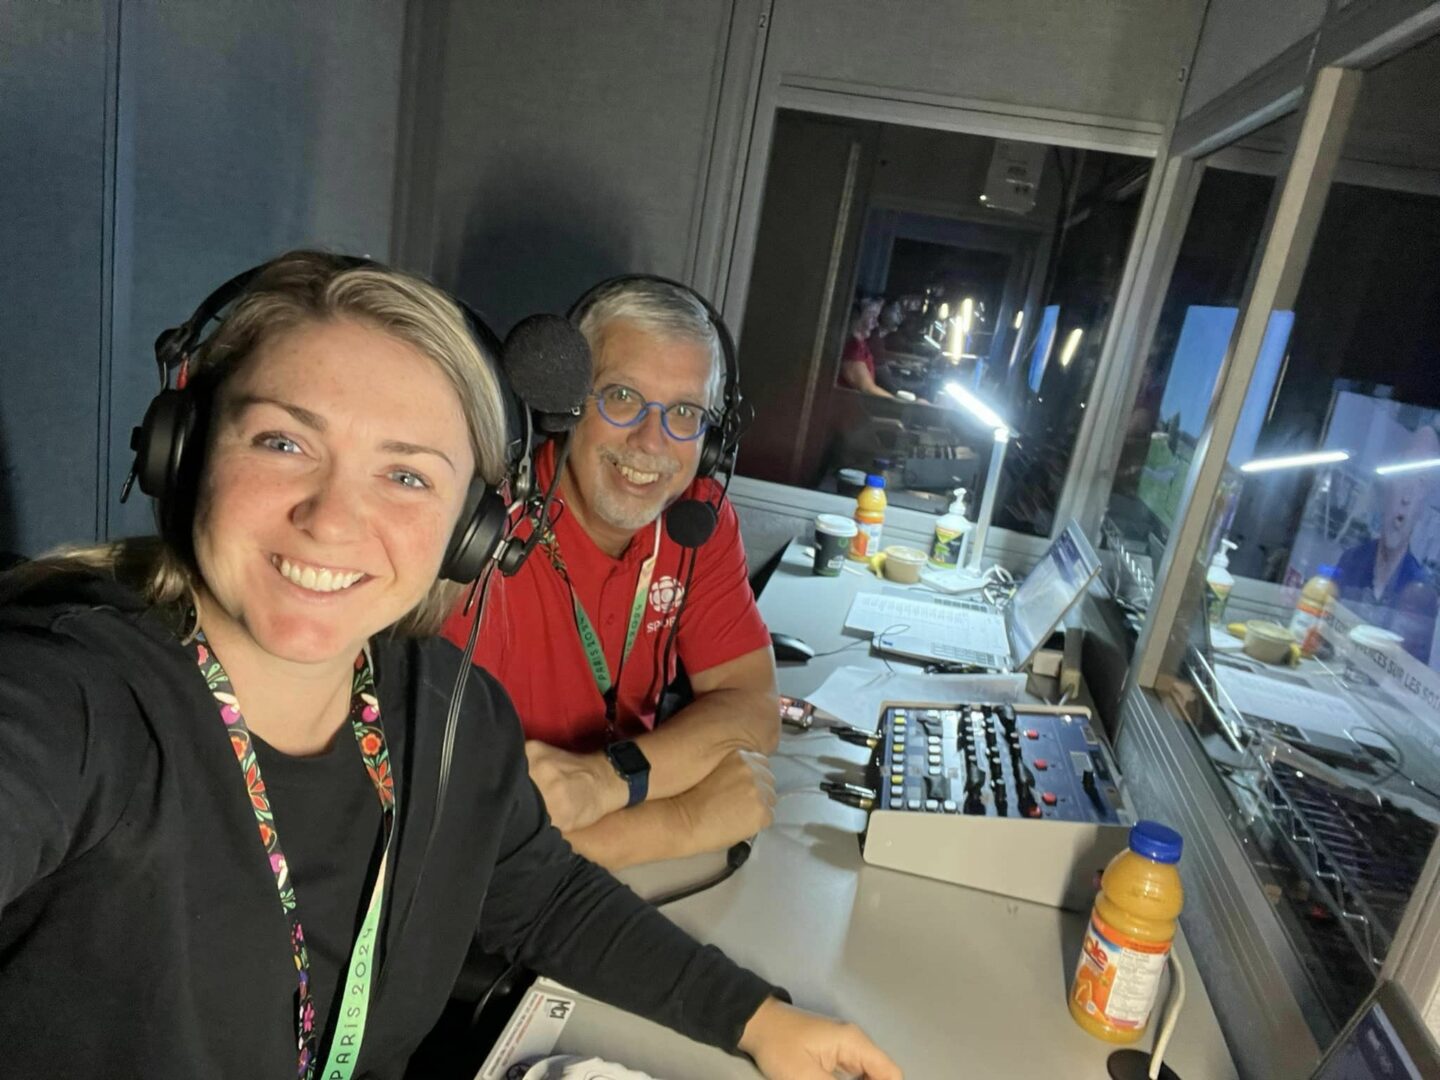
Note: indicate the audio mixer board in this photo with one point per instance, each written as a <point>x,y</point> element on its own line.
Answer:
<point>994,761</point>
<point>1023,800</point>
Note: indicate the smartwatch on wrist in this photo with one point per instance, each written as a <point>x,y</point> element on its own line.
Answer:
<point>632,766</point>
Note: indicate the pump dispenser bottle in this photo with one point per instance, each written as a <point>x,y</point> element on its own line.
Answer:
<point>1218,582</point>
<point>952,535</point>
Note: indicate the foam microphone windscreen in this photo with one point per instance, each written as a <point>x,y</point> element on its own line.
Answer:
<point>548,364</point>
<point>690,522</point>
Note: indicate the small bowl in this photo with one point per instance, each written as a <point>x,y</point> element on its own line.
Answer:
<point>903,564</point>
<point>1267,641</point>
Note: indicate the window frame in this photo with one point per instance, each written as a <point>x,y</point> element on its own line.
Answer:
<point>857,101</point>
<point>1271,1030</point>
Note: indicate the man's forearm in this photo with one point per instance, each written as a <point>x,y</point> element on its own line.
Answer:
<point>688,747</point>
<point>649,832</point>
<point>735,801</point>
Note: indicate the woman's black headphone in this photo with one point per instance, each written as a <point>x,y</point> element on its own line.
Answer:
<point>169,442</point>
<point>722,438</point>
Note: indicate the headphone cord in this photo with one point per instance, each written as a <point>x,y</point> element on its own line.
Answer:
<point>668,651</point>
<point>734,859</point>
<point>480,588</point>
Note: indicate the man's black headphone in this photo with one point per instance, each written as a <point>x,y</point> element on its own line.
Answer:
<point>169,443</point>
<point>722,438</point>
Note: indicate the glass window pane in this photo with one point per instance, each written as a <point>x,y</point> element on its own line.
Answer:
<point>892,262</point>
<point>1323,654</point>
<point>1216,256</point>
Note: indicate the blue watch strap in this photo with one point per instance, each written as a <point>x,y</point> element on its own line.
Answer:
<point>639,787</point>
<point>629,762</point>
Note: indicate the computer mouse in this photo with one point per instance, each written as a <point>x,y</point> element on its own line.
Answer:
<point>790,648</point>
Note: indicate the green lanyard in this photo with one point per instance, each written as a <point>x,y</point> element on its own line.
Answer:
<point>355,995</point>
<point>590,640</point>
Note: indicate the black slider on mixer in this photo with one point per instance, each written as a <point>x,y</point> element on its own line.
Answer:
<point>974,788</point>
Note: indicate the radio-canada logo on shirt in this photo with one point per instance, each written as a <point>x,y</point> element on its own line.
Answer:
<point>666,594</point>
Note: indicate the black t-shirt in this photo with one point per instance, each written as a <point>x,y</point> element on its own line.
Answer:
<point>328,819</point>
<point>141,937</point>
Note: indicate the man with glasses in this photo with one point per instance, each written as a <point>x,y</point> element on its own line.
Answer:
<point>585,639</point>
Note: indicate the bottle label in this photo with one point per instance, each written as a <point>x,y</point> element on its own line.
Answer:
<point>946,550</point>
<point>1308,626</point>
<point>1215,598</point>
<point>866,541</point>
<point>1118,976</point>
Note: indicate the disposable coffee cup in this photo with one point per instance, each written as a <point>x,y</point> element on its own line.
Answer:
<point>832,543</point>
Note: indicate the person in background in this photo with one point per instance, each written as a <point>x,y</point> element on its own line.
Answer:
<point>1381,580</point>
<point>857,361</point>
<point>220,749</point>
<point>585,637</point>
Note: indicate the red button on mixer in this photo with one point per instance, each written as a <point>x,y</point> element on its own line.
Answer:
<point>1048,798</point>
<point>1041,764</point>
<point>1031,733</point>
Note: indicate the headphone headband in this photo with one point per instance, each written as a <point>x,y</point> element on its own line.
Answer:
<point>169,442</point>
<point>722,440</point>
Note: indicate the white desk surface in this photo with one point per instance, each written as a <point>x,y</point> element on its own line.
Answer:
<point>951,982</point>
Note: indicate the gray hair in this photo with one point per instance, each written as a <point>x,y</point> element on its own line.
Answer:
<point>664,310</point>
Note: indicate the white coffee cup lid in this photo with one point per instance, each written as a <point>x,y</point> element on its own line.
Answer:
<point>835,525</point>
<point>1375,637</point>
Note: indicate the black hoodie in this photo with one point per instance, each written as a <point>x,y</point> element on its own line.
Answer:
<point>140,930</point>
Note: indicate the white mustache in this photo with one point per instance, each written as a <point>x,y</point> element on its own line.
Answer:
<point>641,462</point>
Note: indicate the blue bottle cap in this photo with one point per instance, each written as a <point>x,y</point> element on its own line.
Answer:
<point>871,480</point>
<point>1331,572</point>
<point>1155,841</point>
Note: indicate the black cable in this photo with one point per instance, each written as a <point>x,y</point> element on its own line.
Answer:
<point>481,587</point>
<point>734,859</point>
<point>1397,767</point>
<point>667,652</point>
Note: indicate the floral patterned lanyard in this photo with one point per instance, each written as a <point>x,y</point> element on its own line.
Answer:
<point>370,736</point>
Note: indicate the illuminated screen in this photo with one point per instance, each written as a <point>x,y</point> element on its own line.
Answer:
<point>1044,343</point>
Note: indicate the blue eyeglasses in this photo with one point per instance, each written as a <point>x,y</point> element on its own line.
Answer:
<point>684,421</point>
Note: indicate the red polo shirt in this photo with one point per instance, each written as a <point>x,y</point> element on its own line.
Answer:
<point>856,350</point>
<point>529,641</point>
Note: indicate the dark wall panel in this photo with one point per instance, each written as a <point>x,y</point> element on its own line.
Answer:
<point>245,128</point>
<point>574,143</point>
<point>52,145</point>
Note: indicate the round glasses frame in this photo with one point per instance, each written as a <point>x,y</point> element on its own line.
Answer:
<point>705,420</point>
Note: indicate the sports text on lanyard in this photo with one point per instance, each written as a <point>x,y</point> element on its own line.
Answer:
<point>590,640</point>
<point>370,738</point>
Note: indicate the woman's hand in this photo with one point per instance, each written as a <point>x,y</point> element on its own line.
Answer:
<point>790,1044</point>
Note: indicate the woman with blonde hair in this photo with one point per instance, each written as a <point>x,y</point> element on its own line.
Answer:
<point>222,851</point>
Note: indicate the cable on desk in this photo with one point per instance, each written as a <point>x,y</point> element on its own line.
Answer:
<point>1172,1016</point>
<point>1397,768</point>
<point>734,859</point>
<point>843,648</point>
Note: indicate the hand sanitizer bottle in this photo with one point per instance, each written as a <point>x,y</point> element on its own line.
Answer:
<point>952,535</point>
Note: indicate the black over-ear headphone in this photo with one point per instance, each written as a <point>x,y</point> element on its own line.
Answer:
<point>169,442</point>
<point>722,438</point>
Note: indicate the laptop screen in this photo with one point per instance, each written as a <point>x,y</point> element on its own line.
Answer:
<point>1385,1042</point>
<point>1049,591</point>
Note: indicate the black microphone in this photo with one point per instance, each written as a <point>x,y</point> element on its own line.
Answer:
<point>690,522</point>
<point>548,364</point>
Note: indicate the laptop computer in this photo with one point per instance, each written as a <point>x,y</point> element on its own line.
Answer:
<point>972,632</point>
<point>1384,1040</point>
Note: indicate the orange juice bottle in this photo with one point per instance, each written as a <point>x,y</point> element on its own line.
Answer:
<point>1316,600</point>
<point>1129,936</point>
<point>869,517</point>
